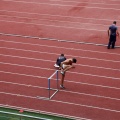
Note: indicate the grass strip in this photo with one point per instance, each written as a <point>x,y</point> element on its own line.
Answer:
<point>12,114</point>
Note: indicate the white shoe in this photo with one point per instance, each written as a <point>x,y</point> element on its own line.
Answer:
<point>57,66</point>
<point>62,72</point>
<point>62,87</point>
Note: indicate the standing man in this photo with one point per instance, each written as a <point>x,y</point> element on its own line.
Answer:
<point>112,34</point>
<point>65,66</point>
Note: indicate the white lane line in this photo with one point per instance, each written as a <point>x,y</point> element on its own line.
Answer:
<point>95,85</point>
<point>80,73</point>
<point>115,61</point>
<point>92,95</point>
<point>63,102</point>
<point>51,46</point>
<point>62,5</point>
<point>60,21</point>
<point>76,2</point>
<point>97,67</point>
<point>66,80</point>
<point>34,67</point>
<point>52,15</point>
<point>57,26</point>
<point>108,87</point>
<point>43,112</point>
<point>94,3</point>
<point>85,65</point>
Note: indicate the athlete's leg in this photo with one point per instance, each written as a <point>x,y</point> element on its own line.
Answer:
<point>62,81</point>
<point>109,43</point>
<point>63,72</point>
<point>113,42</point>
<point>67,68</point>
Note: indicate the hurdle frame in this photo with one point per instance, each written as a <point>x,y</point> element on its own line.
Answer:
<point>49,87</point>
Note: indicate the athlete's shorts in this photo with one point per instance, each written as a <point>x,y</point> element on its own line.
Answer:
<point>63,66</point>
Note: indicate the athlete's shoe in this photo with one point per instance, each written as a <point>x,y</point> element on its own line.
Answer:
<point>62,87</point>
<point>62,72</point>
<point>57,66</point>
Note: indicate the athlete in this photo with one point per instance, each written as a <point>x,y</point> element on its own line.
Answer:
<point>65,66</point>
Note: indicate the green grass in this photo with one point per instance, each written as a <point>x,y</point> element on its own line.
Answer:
<point>5,116</point>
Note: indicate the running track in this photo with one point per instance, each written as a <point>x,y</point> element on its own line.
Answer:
<point>26,62</point>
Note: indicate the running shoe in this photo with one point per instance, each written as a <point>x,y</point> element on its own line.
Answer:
<point>57,66</point>
<point>62,72</point>
<point>62,87</point>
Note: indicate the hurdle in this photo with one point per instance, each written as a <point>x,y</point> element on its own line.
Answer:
<point>49,87</point>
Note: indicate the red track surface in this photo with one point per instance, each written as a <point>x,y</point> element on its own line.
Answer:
<point>25,63</point>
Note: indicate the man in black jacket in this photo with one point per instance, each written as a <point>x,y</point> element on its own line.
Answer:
<point>60,59</point>
<point>112,33</point>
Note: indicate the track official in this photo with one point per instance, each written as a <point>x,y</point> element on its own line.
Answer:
<point>112,34</point>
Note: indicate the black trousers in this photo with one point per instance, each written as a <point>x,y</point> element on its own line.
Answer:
<point>112,41</point>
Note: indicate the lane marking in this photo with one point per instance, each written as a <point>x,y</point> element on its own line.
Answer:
<point>54,62</point>
<point>54,53</point>
<point>34,67</point>
<point>51,46</point>
<point>57,26</point>
<point>44,112</point>
<point>85,74</point>
<point>52,15</point>
<point>61,21</point>
<point>93,95</point>
<point>82,105</point>
<point>61,5</point>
